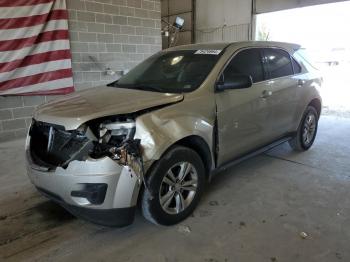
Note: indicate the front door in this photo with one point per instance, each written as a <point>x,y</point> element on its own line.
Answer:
<point>243,115</point>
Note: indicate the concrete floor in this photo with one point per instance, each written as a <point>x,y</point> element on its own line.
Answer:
<point>252,212</point>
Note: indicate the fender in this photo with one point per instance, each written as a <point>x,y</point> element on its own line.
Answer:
<point>158,130</point>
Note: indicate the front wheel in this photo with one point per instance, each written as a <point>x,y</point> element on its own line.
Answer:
<point>307,130</point>
<point>174,186</point>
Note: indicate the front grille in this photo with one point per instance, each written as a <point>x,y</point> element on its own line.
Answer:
<point>52,146</point>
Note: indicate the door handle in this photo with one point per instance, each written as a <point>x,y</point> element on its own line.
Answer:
<point>266,94</point>
<point>301,83</point>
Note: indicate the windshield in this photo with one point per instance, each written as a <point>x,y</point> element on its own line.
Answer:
<point>171,72</point>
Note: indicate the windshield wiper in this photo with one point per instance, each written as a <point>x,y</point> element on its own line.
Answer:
<point>113,84</point>
<point>137,87</point>
<point>147,88</point>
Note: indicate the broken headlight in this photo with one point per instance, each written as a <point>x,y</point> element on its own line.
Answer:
<point>115,133</point>
<point>111,135</point>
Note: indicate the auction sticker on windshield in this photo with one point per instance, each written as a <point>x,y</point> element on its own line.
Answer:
<point>207,52</point>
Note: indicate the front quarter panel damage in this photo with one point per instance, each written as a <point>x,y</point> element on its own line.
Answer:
<point>159,130</point>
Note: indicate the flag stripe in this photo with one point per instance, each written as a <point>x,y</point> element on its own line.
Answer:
<point>35,59</point>
<point>9,3</point>
<point>25,11</point>
<point>18,22</point>
<point>27,32</point>
<point>38,78</point>
<point>7,45</point>
<point>45,86</point>
<point>35,56</point>
<point>59,91</point>
<point>35,69</point>
<point>9,56</point>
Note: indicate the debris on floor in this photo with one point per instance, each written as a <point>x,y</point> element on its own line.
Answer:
<point>242,224</point>
<point>273,259</point>
<point>303,235</point>
<point>338,255</point>
<point>184,229</point>
<point>214,203</point>
<point>204,213</point>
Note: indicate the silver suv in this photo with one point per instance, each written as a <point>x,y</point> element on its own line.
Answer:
<point>157,135</point>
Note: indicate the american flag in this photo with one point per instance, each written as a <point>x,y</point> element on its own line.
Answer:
<point>35,56</point>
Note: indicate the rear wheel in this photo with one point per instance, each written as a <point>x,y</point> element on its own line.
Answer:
<point>174,186</point>
<point>307,130</point>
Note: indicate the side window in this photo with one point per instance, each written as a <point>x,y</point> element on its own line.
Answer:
<point>296,66</point>
<point>304,58</point>
<point>247,62</point>
<point>278,62</point>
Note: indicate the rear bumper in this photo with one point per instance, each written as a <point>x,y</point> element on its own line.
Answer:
<point>78,189</point>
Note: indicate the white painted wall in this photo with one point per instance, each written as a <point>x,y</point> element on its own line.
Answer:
<point>222,20</point>
<point>216,13</point>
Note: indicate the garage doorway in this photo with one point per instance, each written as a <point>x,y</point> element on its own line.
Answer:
<point>324,31</point>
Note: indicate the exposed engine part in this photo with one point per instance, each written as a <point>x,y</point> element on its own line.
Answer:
<point>129,154</point>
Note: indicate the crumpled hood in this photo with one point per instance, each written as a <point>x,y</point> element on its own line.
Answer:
<point>75,109</point>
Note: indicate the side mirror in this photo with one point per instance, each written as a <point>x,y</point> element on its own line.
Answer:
<point>237,81</point>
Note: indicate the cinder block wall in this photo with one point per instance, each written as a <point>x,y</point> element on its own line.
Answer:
<point>115,34</point>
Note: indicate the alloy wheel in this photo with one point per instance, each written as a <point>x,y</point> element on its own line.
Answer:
<point>309,129</point>
<point>178,188</point>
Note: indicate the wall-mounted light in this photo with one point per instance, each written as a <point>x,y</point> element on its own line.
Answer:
<point>172,30</point>
<point>179,22</point>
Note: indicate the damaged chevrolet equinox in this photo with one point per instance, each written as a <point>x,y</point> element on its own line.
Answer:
<point>155,137</point>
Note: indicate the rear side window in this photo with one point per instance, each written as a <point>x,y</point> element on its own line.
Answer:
<point>278,63</point>
<point>247,62</point>
<point>296,67</point>
<point>304,58</point>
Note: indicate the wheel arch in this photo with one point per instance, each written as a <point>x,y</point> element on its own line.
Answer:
<point>194,142</point>
<point>199,145</point>
<point>316,103</point>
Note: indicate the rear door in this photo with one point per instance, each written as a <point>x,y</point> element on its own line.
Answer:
<point>283,100</point>
<point>243,115</point>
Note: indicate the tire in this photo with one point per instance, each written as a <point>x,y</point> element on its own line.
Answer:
<point>161,202</point>
<point>300,142</point>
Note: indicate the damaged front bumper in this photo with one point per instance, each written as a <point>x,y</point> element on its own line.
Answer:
<point>100,190</point>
